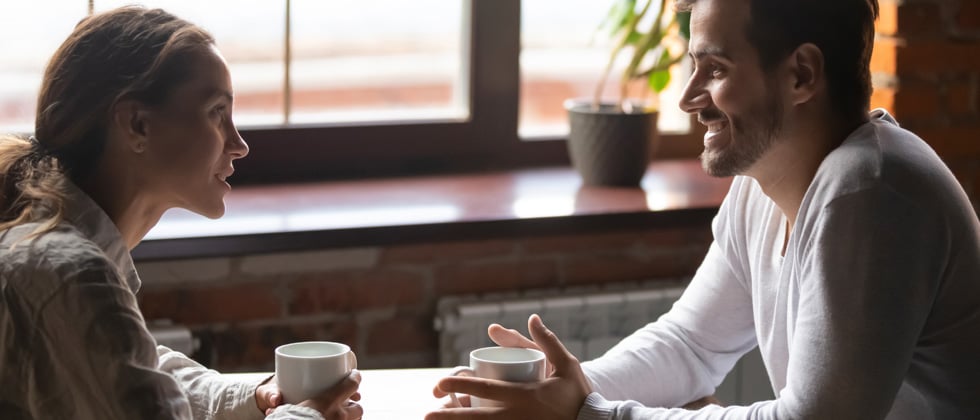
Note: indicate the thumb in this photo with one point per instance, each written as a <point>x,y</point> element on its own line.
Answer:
<point>553,349</point>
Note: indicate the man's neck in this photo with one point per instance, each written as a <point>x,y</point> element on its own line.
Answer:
<point>787,169</point>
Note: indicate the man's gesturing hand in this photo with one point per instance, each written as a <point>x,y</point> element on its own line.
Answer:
<point>558,397</point>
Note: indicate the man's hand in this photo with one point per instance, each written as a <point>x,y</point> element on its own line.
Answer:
<point>558,397</point>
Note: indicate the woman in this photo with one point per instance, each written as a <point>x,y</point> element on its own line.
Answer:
<point>133,118</point>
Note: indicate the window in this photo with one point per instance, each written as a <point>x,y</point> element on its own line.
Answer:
<point>562,56</point>
<point>375,87</point>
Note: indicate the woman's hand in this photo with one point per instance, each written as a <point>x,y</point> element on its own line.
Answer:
<point>336,403</point>
<point>267,396</point>
<point>558,397</point>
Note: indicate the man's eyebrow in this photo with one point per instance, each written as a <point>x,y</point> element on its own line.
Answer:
<point>710,52</point>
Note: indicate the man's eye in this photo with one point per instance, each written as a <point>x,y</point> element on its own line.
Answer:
<point>716,71</point>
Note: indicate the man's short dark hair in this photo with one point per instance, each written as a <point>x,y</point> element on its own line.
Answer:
<point>842,29</point>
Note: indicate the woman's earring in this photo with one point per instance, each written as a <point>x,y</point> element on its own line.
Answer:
<point>139,147</point>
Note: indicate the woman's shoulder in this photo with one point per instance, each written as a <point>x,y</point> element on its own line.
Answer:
<point>43,263</point>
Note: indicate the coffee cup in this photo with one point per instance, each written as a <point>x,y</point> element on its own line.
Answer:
<point>510,364</point>
<point>306,369</point>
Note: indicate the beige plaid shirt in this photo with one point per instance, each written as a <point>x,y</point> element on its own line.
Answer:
<point>74,344</point>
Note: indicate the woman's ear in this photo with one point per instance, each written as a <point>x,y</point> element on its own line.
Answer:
<point>806,65</point>
<point>129,120</point>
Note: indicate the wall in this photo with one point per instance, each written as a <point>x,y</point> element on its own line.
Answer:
<point>382,300</point>
<point>926,71</point>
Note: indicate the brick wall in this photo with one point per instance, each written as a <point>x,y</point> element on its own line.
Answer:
<point>382,301</point>
<point>926,71</point>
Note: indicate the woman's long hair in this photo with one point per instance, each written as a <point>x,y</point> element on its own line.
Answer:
<point>126,53</point>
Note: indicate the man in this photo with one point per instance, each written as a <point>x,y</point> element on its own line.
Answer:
<point>845,249</point>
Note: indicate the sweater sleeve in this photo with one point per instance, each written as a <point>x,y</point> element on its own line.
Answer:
<point>863,301</point>
<point>686,354</point>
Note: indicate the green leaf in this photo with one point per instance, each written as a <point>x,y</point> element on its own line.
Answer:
<point>619,15</point>
<point>684,20</point>
<point>634,38</point>
<point>658,80</point>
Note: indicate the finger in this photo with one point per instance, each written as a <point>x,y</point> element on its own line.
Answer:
<point>509,337</point>
<point>484,388</point>
<point>438,393</point>
<point>464,401</point>
<point>356,396</point>
<point>354,411</point>
<point>468,414</point>
<point>275,399</point>
<point>341,392</point>
<point>552,347</point>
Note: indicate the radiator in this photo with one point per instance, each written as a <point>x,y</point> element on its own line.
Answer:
<point>588,323</point>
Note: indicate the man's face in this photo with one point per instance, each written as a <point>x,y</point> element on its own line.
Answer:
<point>732,96</point>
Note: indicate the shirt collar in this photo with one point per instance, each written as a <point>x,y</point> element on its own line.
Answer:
<point>86,216</point>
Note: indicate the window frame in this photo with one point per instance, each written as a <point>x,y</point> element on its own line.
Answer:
<point>487,140</point>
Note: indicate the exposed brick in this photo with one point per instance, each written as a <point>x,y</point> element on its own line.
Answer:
<point>937,56</point>
<point>918,99</point>
<point>313,261</point>
<point>964,170</point>
<point>621,267</point>
<point>355,290</point>
<point>158,273</point>
<point>968,17</point>
<point>575,243</point>
<point>918,18</point>
<point>197,306</point>
<point>448,251</point>
<point>961,96</point>
<point>883,55</point>
<point>496,276</point>
<point>887,23</point>
<point>953,142</point>
<point>883,98</point>
<point>671,239</point>
<point>253,348</point>
<point>402,334</point>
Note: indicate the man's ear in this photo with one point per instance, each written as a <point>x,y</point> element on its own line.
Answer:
<point>806,69</point>
<point>129,119</point>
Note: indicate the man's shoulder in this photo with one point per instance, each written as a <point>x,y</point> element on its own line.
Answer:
<point>881,154</point>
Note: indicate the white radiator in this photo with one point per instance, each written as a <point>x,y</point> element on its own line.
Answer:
<point>588,323</point>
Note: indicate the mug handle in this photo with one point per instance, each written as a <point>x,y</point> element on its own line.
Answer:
<point>460,371</point>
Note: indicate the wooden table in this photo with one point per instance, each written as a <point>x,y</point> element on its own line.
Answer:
<point>393,394</point>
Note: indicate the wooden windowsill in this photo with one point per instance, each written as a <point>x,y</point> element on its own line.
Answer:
<point>378,212</point>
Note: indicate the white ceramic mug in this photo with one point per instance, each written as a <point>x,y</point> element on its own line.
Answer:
<point>305,369</point>
<point>510,364</point>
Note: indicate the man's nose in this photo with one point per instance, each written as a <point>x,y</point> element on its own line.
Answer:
<point>695,97</point>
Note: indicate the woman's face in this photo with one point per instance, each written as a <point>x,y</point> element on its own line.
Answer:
<point>192,141</point>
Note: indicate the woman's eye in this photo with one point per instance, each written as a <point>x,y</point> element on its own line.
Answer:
<point>219,111</point>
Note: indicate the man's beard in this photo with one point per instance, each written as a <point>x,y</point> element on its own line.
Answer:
<point>750,140</point>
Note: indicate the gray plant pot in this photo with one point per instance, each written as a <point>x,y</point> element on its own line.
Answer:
<point>610,147</point>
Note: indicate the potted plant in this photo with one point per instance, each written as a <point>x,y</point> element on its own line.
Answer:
<point>610,141</point>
